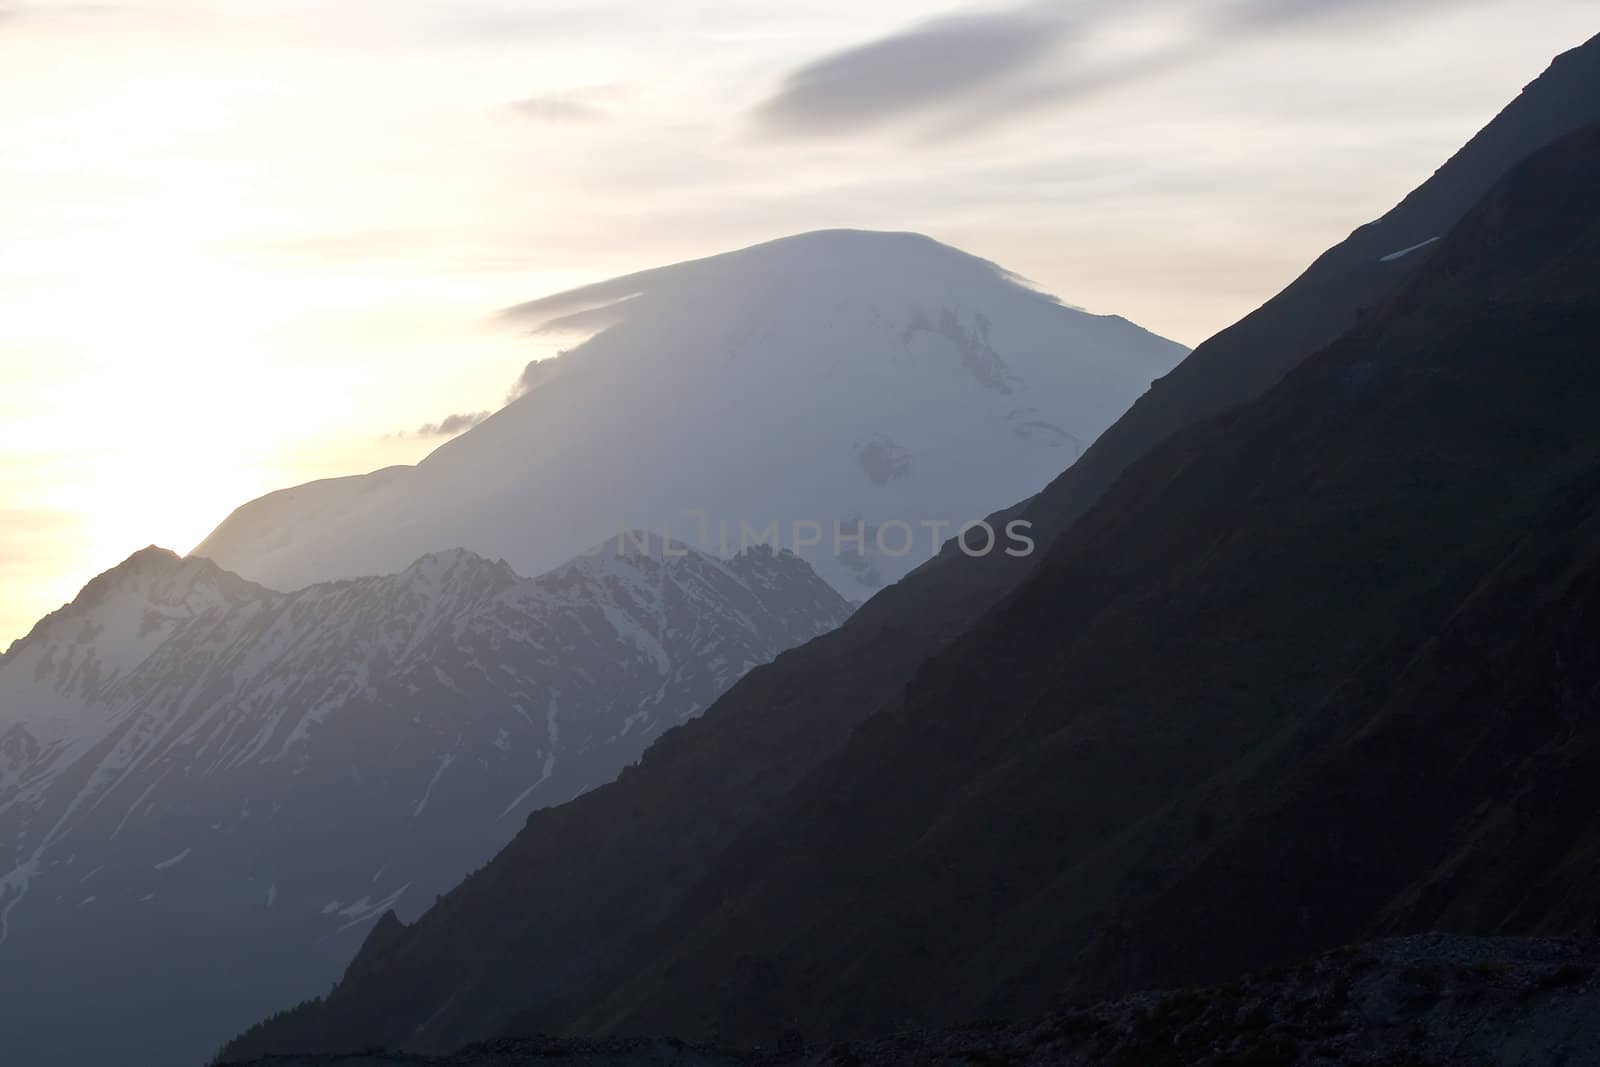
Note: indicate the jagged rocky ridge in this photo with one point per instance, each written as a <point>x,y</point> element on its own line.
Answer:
<point>209,790</point>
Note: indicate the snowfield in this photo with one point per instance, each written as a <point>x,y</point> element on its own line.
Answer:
<point>843,379</point>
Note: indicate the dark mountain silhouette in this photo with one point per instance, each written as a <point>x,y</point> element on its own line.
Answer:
<point>1426,1001</point>
<point>1042,807</point>
<point>1312,671</point>
<point>1318,669</point>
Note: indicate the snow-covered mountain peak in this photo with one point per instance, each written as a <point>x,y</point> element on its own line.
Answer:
<point>817,301</point>
<point>162,578</point>
<point>456,570</point>
<point>116,622</point>
<point>641,559</point>
<point>149,558</point>
<point>632,568</point>
<point>767,563</point>
<point>842,378</point>
<point>629,552</point>
<point>794,272</point>
<point>403,608</point>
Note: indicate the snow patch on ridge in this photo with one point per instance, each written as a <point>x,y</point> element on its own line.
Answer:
<point>174,860</point>
<point>1404,252</point>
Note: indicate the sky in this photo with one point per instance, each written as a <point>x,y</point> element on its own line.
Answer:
<point>249,243</point>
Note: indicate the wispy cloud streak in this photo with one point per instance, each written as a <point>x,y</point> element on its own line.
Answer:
<point>924,67</point>
<point>450,425</point>
<point>958,75</point>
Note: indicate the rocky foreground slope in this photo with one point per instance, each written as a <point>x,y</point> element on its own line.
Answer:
<point>1431,1001</point>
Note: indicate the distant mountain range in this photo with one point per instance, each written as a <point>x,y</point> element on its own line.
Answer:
<point>1307,656</point>
<point>821,387</point>
<point>209,790</point>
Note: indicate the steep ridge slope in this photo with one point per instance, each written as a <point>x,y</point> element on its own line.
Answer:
<point>842,381</point>
<point>1314,669</point>
<point>456,976</point>
<point>198,774</point>
<point>1333,294</point>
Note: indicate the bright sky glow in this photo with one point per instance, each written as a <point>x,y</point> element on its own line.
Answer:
<point>246,244</point>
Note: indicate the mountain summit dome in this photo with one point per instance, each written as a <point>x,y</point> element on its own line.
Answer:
<point>822,388</point>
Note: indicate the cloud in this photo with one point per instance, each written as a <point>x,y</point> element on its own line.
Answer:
<point>536,373</point>
<point>924,67</point>
<point>450,425</point>
<point>1044,92</point>
<point>557,109</point>
<point>962,74</point>
<point>1266,14</point>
